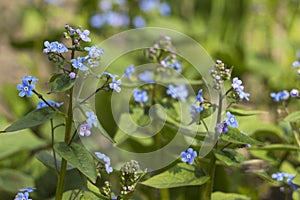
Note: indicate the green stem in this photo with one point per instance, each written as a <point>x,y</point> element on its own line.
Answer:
<point>63,169</point>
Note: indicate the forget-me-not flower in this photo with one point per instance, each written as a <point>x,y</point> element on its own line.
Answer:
<point>25,89</point>
<point>42,104</point>
<point>178,91</point>
<point>222,127</point>
<point>140,96</point>
<point>139,22</point>
<point>92,118</point>
<point>188,156</point>
<point>85,129</point>
<point>283,95</point>
<point>231,120</point>
<point>106,161</point>
<point>115,85</point>
<point>146,77</point>
<point>129,71</point>
<point>84,35</point>
<point>78,63</point>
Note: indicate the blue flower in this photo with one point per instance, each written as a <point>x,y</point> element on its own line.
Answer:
<point>222,127</point>
<point>85,129</point>
<point>30,79</point>
<point>140,96</point>
<point>22,196</point>
<point>115,85</point>
<point>146,77</point>
<point>106,161</point>
<point>54,47</point>
<point>42,104</point>
<point>165,9</point>
<point>116,19</point>
<point>176,65</point>
<point>178,91</point>
<point>139,22</point>
<point>129,71</point>
<point>243,95</point>
<point>109,75</point>
<point>148,5</point>
<point>296,64</point>
<point>94,52</point>
<point>283,95</point>
<point>84,35</point>
<point>28,189</point>
<point>231,120</point>
<point>188,156</point>
<point>25,89</point>
<point>237,84</point>
<point>195,110</point>
<point>199,97</point>
<point>105,5</point>
<point>92,118</point>
<point>78,64</point>
<point>97,20</point>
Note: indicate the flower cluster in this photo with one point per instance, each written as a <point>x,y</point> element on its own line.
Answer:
<point>197,108</point>
<point>239,88</point>
<point>178,92</point>
<point>220,73</point>
<point>27,86</point>
<point>112,13</point>
<point>284,95</point>
<point>188,156</point>
<point>23,194</point>
<point>129,176</point>
<point>85,128</point>
<point>231,121</point>
<point>106,161</point>
<point>115,84</point>
<point>171,62</point>
<point>285,178</point>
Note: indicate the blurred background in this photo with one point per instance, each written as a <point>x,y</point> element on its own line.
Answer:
<point>259,38</point>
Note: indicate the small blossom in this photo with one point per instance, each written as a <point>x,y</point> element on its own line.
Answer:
<point>236,83</point>
<point>25,89</point>
<point>78,63</point>
<point>28,189</point>
<point>109,75</point>
<point>115,85</point>
<point>139,22</point>
<point>94,52</point>
<point>140,96</point>
<point>286,178</point>
<point>129,71</point>
<point>165,9</point>
<point>146,77</point>
<point>30,79</point>
<point>231,120</point>
<point>92,118</point>
<point>72,75</point>
<point>294,93</point>
<point>188,156</point>
<point>42,104</point>
<point>176,65</point>
<point>243,95</point>
<point>199,97</point>
<point>54,47</point>
<point>22,196</point>
<point>85,129</point>
<point>178,91</point>
<point>106,161</point>
<point>296,64</point>
<point>222,127</point>
<point>283,95</point>
<point>84,35</point>
<point>195,110</point>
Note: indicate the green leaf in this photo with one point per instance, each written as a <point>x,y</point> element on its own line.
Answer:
<point>79,157</point>
<point>230,157</point>
<point>32,119</point>
<point>46,157</point>
<point>95,190</point>
<point>228,196</point>
<point>282,147</point>
<point>207,112</point>
<point>181,174</point>
<point>236,137</point>
<point>61,83</point>
<point>293,117</point>
<point>20,141</point>
<point>243,112</point>
<point>12,180</point>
